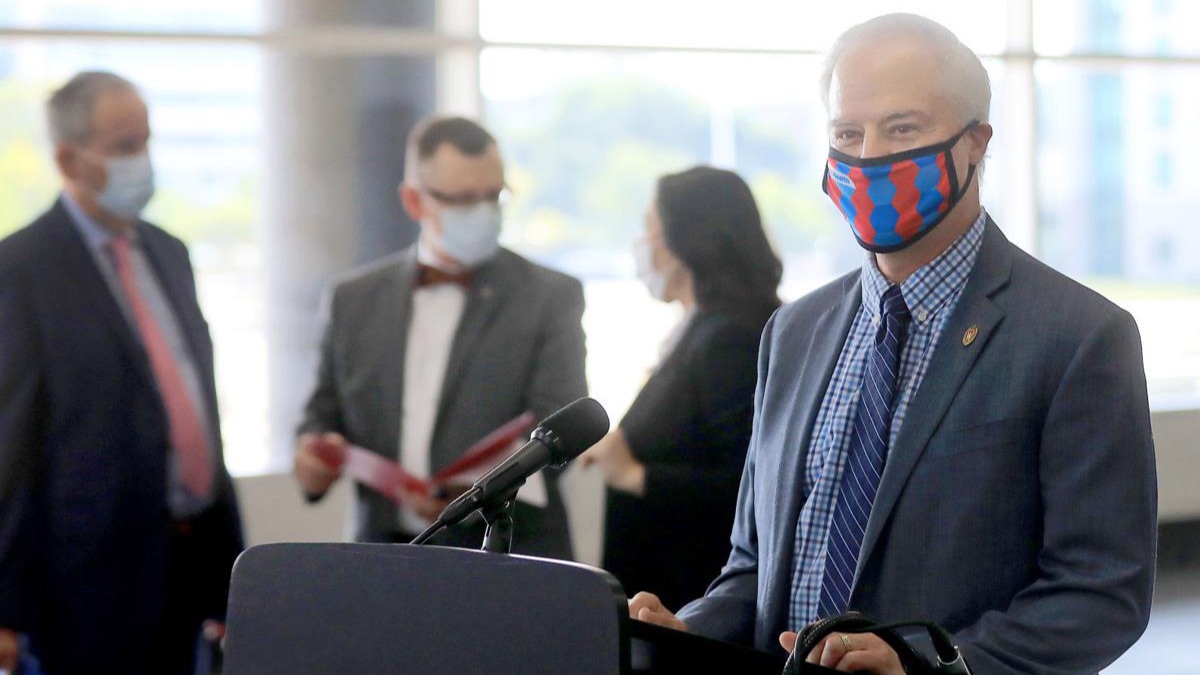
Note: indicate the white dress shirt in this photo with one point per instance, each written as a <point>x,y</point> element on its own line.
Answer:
<point>436,313</point>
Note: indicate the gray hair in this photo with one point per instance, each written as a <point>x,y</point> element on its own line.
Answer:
<point>966,80</point>
<point>69,110</point>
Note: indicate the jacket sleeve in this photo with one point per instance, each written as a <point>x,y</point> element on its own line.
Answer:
<point>323,411</point>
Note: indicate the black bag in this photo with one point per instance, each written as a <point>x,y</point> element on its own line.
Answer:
<point>950,661</point>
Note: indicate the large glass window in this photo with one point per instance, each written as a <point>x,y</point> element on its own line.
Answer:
<point>603,98</point>
<point>591,103</point>
<point>587,133</point>
<point>191,16</point>
<point>718,24</point>
<point>1161,28</point>
<point>1116,192</point>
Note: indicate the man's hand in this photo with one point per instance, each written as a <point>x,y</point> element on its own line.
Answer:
<point>850,653</point>
<point>614,458</point>
<point>10,650</point>
<point>312,472</point>
<point>647,607</point>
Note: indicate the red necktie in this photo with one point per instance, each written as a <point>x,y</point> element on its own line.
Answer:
<point>187,434</point>
<point>428,275</point>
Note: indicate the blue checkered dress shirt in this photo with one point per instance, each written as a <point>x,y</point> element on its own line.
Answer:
<point>931,294</point>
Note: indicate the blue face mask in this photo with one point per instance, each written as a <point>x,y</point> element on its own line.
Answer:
<point>130,185</point>
<point>471,234</point>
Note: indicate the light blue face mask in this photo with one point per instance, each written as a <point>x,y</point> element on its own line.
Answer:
<point>643,260</point>
<point>471,234</point>
<point>130,185</point>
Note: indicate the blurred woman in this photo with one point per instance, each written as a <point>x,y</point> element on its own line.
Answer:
<point>673,465</point>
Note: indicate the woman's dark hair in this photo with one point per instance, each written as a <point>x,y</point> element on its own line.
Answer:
<point>711,223</point>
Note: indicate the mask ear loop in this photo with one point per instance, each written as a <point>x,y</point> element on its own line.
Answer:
<point>956,190</point>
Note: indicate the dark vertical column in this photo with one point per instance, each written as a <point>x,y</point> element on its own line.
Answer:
<point>393,94</point>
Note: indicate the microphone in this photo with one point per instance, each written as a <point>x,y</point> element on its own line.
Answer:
<point>557,440</point>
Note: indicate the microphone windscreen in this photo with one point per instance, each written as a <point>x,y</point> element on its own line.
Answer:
<point>578,426</point>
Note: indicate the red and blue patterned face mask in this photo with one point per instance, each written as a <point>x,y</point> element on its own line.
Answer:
<point>894,200</point>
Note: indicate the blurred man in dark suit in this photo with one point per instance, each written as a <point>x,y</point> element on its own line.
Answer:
<point>118,521</point>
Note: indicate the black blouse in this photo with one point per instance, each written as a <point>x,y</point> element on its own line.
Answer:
<point>690,426</point>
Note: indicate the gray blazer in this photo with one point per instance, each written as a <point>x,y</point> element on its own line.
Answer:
<point>519,346</point>
<point>1018,505</point>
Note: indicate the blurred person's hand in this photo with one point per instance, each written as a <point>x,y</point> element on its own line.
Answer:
<point>648,608</point>
<point>10,650</point>
<point>314,474</point>
<point>619,468</point>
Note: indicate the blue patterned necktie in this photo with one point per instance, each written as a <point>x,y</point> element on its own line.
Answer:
<point>868,449</point>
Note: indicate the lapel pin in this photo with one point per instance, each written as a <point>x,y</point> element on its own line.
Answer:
<point>970,335</point>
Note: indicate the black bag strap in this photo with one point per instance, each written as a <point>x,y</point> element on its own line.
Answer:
<point>949,662</point>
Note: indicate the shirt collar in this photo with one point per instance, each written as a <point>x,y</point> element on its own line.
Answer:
<point>94,234</point>
<point>929,288</point>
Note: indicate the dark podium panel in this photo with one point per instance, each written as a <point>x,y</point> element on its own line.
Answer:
<point>396,609</point>
<point>654,649</point>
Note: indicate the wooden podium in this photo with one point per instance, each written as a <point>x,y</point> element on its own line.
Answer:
<point>396,609</point>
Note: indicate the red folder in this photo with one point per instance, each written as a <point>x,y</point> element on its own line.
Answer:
<point>387,477</point>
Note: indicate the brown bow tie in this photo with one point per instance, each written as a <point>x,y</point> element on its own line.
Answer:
<point>427,275</point>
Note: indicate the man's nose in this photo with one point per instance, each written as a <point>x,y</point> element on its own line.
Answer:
<point>873,145</point>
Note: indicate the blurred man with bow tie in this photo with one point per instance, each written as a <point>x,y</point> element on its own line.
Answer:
<point>430,349</point>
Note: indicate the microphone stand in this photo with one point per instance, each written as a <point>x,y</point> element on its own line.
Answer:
<point>497,538</point>
<point>497,513</point>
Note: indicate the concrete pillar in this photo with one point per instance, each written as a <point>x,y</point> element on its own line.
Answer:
<point>334,129</point>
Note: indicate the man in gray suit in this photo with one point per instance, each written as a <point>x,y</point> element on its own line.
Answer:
<point>432,348</point>
<point>954,433</point>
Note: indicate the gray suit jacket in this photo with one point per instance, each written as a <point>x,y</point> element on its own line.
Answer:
<point>1018,505</point>
<point>519,347</point>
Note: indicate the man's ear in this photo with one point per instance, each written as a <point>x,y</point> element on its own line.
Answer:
<point>979,137</point>
<point>410,199</point>
<point>66,158</point>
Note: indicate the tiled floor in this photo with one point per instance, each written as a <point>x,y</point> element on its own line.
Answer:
<point>1171,644</point>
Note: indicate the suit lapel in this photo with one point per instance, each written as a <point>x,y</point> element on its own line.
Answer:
<point>952,361</point>
<point>828,335</point>
<point>491,287</point>
<point>84,279</point>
